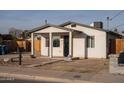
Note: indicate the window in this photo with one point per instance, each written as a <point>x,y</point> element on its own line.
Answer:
<point>90,42</point>
<point>47,42</point>
<point>56,41</point>
<point>38,37</point>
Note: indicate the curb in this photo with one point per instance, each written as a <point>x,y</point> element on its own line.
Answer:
<point>42,78</point>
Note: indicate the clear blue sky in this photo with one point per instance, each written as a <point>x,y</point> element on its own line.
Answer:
<point>28,19</point>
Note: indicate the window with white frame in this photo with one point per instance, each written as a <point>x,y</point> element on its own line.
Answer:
<point>90,41</point>
<point>56,41</point>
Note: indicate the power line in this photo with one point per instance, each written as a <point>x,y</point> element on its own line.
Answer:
<point>118,26</point>
<point>116,15</point>
<point>110,19</point>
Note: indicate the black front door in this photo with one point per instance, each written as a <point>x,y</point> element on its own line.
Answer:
<point>66,46</point>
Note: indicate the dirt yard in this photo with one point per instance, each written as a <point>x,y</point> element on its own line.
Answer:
<point>96,70</point>
<point>81,66</point>
<point>26,60</point>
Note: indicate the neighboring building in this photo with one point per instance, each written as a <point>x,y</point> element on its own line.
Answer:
<point>13,43</point>
<point>7,37</point>
<point>74,39</point>
<point>1,39</point>
<point>8,40</point>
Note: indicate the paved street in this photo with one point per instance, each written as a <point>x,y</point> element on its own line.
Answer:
<point>13,80</point>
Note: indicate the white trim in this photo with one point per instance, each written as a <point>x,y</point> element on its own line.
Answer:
<point>50,45</point>
<point>70,43</point>
<point>32,44</point>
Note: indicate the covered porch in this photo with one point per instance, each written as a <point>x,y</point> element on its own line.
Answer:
<point>54,44</point>
<point>55,41</point>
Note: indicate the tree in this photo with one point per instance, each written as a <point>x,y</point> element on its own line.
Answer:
<point>115,29</point>
<point>26,34</point>
<point>15,32</point>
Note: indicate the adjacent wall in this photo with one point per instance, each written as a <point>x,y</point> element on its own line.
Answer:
<point>100,42</point>
<point>79,45</point>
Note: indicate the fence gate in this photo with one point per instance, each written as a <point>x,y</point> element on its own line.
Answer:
<point>119,45</point>
<point>37,45</point>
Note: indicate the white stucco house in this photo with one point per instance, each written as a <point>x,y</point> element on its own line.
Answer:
<point>74,39</point>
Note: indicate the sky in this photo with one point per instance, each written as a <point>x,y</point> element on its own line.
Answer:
<point>29,19</point>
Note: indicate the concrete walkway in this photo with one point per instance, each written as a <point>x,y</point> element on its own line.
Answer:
<point>39,75</point>
<point>44,63</point>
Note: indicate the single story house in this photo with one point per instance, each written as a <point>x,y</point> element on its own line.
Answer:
<point>74,39</point>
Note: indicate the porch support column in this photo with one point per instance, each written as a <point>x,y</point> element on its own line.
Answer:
<point>32,44</point>
<point>70,43</point>
<point>41,45</point>
<point>50,45</point>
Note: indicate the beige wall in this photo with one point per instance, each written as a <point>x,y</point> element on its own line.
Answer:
<point>79,42</point>
<point>79,45</point>
<point>100,42</point>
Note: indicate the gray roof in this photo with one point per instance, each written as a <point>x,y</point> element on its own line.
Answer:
<point>51,25</point>
<point>61,26</point>
<point>84,25</point>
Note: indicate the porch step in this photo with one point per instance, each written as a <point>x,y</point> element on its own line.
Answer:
<point>43,63</point>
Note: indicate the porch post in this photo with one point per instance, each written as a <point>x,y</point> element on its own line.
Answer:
<point>41,45</point>
<point>50,45</point>
<point>70,43</point>
<point>32,44</point>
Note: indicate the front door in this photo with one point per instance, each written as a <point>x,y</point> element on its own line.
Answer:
<point>66,46</point>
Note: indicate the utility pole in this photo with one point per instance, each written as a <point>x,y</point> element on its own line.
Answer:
<point>108,19</point>
<point>45,22</point>
<point>20,53</point>
<point>20,56</point>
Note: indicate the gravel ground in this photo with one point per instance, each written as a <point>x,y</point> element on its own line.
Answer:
<point>82,66</point>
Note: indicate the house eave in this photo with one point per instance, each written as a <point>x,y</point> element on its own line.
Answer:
<point>50,25</point>
<point>83,25</point>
